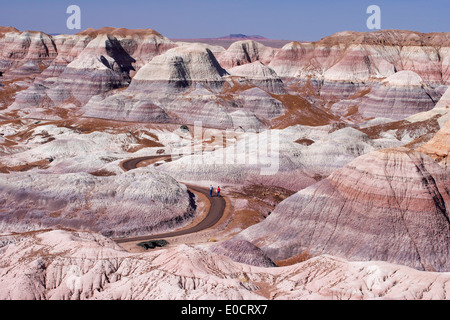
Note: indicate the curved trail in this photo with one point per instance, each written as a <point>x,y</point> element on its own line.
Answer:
<point>216,209</point>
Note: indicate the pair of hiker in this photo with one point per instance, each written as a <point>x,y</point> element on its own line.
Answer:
<point>211,189</point>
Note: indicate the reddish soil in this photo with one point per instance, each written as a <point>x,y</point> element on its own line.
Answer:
<point>102,173</point>
<point>41,164</point>
<point>305,255</point>
<point>402,127</point>
<point>300,111</point>
<point>304,142</point>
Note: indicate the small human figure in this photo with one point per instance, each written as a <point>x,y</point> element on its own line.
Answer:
<point>218,191</point>
<point>210,190</point>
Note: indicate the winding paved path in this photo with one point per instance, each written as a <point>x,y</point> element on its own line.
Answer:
<point>216,209</point>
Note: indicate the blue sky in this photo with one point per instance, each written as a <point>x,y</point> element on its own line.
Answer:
<point>283,19</point>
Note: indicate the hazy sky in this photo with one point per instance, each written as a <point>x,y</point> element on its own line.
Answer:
<point>282,19</point>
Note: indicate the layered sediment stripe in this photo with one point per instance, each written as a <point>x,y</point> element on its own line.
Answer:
<point>397,97</point>
<point>389,205</point>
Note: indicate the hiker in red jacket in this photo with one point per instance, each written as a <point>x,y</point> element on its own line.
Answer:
<point>218,191</point>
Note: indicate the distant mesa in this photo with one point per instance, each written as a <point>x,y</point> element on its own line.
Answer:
<point>240,36</point>
<point>236,37</point>
<point>226,41</point>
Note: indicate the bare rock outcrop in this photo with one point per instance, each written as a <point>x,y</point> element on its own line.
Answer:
<point>397,97</point>
<point>181,68</point>
<point>439,146</point>
<point>260,75</point>
<point>173,82</point>
<point>345,63</point>
<point>24,54</point>
<point>296,157</point>
<point>179,86</point>
<point>187,84</point>
<point>89,63</point>
<point>142,44</point>
<point>102,66</point>
<point>244,252</point>
<point>391,205</point>
<point>362,56</point>
<point>243,52</point>
<point>441,109</point>
<point>81,265</point>
<point>141,201</point>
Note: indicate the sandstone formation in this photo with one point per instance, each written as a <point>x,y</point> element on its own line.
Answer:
<point>389,205</point>
<point>89,266</point>
<point>439,146</point>
<point>295,165</point>
<point>246,51</point>
<point>132,203</point>
<point>178,83</point>
<point>186,84</point>
<point>243,251</point>
<point>142,44</point>
<point>260,75</point>
<point>180,68</point>
<point>441,109</point>
<point>338,155</point>
<point>25,53</point>
<point>353,71</point>
<point>397,97</point>
<point>86,64</point>
<point>346,63</point>
<point>377,54</point>
<point>109,60</point>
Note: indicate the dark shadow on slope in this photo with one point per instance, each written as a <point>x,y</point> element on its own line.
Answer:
<point>115,50</point>
<point>215,63</point>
